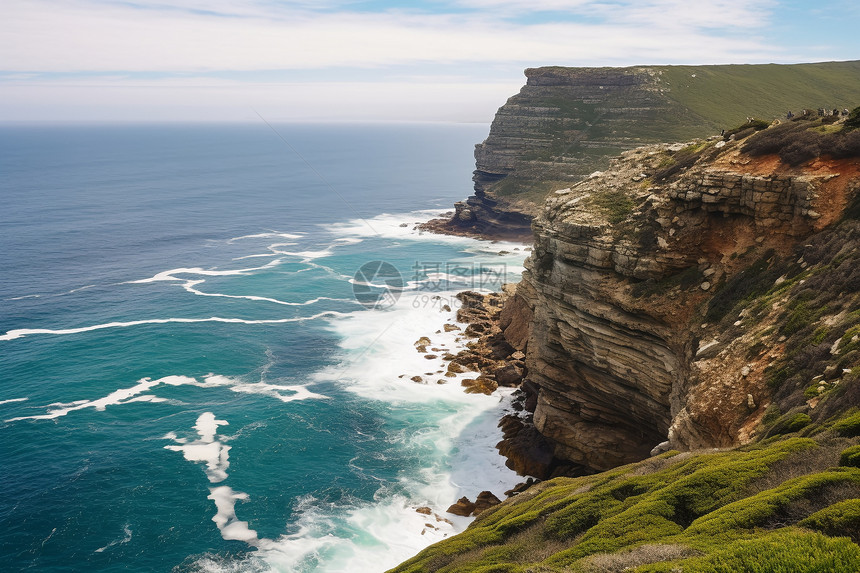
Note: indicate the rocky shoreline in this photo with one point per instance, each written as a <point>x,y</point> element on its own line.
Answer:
<point>507,226</point>
<point>497,328</point>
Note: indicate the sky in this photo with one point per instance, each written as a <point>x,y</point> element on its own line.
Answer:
<point>374,60</point>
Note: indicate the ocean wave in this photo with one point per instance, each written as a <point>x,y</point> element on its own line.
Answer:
<point>170,275</point>
<point>141,392</point>
<point>21,332</point>
<point>268,235</point>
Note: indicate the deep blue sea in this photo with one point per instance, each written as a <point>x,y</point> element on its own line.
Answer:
<point>188,380</point>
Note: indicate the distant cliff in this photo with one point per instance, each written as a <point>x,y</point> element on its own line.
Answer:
<point>568,122</point>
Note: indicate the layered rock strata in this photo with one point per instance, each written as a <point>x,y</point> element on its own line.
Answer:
<point>622,266</point>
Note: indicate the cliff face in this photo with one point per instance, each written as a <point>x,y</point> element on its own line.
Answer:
<point>700,298</point>
<point>567,122</point>
<point>624,266</point>
<point>564,124</point>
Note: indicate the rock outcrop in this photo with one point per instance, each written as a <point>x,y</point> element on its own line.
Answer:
<point>624,265</point>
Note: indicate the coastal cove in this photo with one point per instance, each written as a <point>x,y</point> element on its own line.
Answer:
<point>188,381</point>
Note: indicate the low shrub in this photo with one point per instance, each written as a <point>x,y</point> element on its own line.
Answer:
<point>850,457</point>
<point>848,426</point>
<point>799,142</point>
<point>790,423</point>
<point>853,121</point>
<point>745,285</point>
<point>804,147</point>
<point>839,519</point>
<point>746,129</point>
<point>774,139</point>
<point>842,145</point>
<point>786,551</point>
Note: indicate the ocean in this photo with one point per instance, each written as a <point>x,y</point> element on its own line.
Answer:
<point>207,346</point>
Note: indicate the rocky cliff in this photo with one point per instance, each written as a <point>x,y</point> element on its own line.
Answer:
<point>624,267</point>
<point>568,122</point>
<point>690,326</point>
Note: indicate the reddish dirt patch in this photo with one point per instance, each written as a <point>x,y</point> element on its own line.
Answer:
<point>833,195</point>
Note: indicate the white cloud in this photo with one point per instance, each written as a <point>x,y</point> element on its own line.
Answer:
<point>661,13</point>
<point>54,35</point>
<point>458,63</point>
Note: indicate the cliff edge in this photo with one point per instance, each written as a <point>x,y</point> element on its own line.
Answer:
<point>568,122</point>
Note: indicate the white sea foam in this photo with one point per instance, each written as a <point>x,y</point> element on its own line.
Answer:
<point>348,240</point>
<point>403,226</point>
<point>374,536</point>
<point>307,256</point>
<point>11,400</point>
<point>269,235</point>
<point>206,448</point>
<point>121,396</point>
<point>257,256</point>
<point>170,275</point>
<point>230,526</point>
<point>18,333</point>
<point>284,393</point>
<point>380,356</point>
<point>189,286</point>
<point>211,451</point>
<point>74,290</point>
<point>391,226</point>
<point>379,359</point>
<point>138,393</point>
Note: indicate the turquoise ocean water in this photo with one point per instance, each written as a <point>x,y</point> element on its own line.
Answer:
<point>187,381</point>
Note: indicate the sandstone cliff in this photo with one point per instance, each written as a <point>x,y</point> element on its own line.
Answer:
<point>625,269</point>
<point>567,122</point>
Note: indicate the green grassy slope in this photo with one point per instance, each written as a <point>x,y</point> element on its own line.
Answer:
<point>723,96</point>
<point>784,505</point>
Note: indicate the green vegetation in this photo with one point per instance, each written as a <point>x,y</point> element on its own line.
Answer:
<point>680,161</point>
<point>848,426</point>
<point>803,139</point>
<point>837,519</point>
<point>742,288</point>
<point>781,505</point>
<point>811,301</point>
<point>617,205</point>
<point>727,94</point>
<point>790,423</point>
<point>850,457</point>
<point>853,121</point>
<point>746,129</point>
